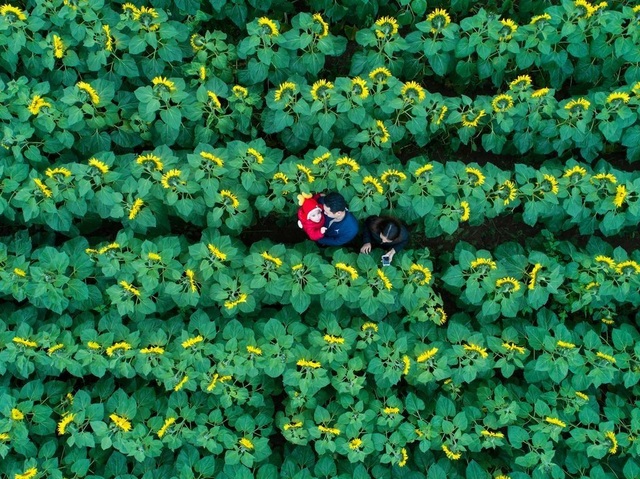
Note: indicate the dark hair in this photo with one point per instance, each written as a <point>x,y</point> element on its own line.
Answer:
<point>335,202</point>
<point>386,225</point>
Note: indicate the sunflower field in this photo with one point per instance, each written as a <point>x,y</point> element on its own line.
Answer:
<point>162,317</point>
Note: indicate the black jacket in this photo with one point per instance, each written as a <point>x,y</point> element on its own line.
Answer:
<point>369,236</point>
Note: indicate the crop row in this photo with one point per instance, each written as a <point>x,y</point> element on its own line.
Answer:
<point>229,188</point>
<point>139,278</point>
<point>195,386</point>
<point>575,39</point>
<point>100,101</point>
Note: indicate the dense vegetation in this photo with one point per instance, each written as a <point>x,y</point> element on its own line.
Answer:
<point>155,321</point>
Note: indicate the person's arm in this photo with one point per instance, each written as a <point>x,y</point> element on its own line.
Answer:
<point>331,241</point>
<point>366,232</point>
<point>402,241</point>
<point>314,232</point>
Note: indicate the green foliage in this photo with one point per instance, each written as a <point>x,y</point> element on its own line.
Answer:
<point>145,333</point>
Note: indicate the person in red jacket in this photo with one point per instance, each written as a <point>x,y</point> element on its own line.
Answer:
<point>311,217</point>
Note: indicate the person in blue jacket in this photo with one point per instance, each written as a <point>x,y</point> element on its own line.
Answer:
<point>342,226</point>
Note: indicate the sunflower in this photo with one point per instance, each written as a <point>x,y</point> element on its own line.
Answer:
<point>439,19</point>
<point>380,75</point>
<point>320,90</point>
<point>502,103</point>
<point>509,27</point>
<point>387,26</point>
<point>413,92</point>
<point>269,27</point>
<point>359,88</point>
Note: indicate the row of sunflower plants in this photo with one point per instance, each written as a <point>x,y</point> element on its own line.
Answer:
<point>369,116</point>
<point>90,108</point>
<point>586,43</point>
<point>229,188</point>
<point>352,390</point>
<point>142,277</point>
<point>374,114</point>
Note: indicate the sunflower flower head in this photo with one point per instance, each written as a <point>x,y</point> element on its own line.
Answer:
<point>57,173</point>
<point>420,274</point>
<point>270,259</point>
<point>502,103</point>
<point>163,84</point>
<point>150,160</point>
<point>380,75</point>
<point>508,192</point>
<point>359,88</point>
<point>413,92</point>
<point>454,456</point>
<point>627,268</point>
<point>135,208</point>
<point>540,93</point>
<point>392,176</point>
<point>256,155</point>
<point>215,101</point>
<point>439,19</point>
<point>229,199</point>
<point>509,27</point>
<point>616,99</point>
<point>375,184</point>
<point>350,270</point>
<point>578,106</point>
<point>28,474</point>
<point>240,92</point>
<point>475,175</point>
<point>584,9</point>
<point>12,14</point>
<point>386,27</point>
<point>575,174</point>
<point>427,355</point>
<point>324,26</point>
<point>147,17</point>
<point>90,91</point>
<point>121,423</point>
<point>621,195</point>
<point>386,283</point>
<point>269,27</point>
<point>321,90</point>
<point>611,436</point>
<point>540,20</point>
<point>466,211</point>
<point>381,132</point>
<point>305,173</point>
<point>471,119</point>
<point>549,184</point>
<point>474,348</point>
<point>287,91</point>
<point>555,422</point>
<point>197,42</point>
<point>351,164</point>
<point>521,83</point>
<point>171,179</point>
<point>37,103</point>
<point>98,166</point>
<point>58,47</point>
<point>508,285</point>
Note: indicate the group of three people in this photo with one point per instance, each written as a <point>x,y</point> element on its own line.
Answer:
<point>327,221</point>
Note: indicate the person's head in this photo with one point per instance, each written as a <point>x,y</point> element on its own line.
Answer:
<point>315,215</point>
<point>335,206</point>
<point>387,228</point>
<point>309,208</point>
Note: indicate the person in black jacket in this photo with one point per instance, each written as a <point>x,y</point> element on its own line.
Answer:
<point>385,232</point>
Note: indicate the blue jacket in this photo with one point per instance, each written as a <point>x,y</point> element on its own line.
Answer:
<point>339,232</point>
